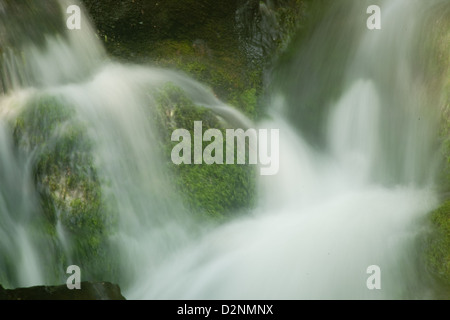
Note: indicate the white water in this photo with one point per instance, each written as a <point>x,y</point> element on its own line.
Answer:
<point>319,223</point>
<point>325,218</point>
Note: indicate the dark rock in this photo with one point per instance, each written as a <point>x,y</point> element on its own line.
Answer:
<point>88,291</point>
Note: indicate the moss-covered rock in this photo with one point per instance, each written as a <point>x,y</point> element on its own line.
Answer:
<point>438,246</point>
<point>131,28</point>
<point>265,28</point>
<point>224,44</point>
<point>47,132</point>
<point>209,190</point>
<point>229,76</point>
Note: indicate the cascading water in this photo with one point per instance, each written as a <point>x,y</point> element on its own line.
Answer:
<point>327,216</point>
<point>64,95</point>
<point>330,214</point>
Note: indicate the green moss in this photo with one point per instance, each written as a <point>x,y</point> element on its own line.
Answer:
<point>248,100</point>
<point>438,246</point>
<point>217,190</point>
<point>231,79</point>
<point>65,179</point>
<point>213,191</point>
<point>212,41</point>
<point>208,40</point>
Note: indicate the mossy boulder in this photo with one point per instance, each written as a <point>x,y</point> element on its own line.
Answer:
<point>213,191</point>
<point>48,133</point>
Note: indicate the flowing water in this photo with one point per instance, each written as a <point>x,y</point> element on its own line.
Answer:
<point>360,199</point>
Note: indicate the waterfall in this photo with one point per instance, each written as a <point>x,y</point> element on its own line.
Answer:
<point>69,93</point>
<point>359,199</point>
<point>333,211</point>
